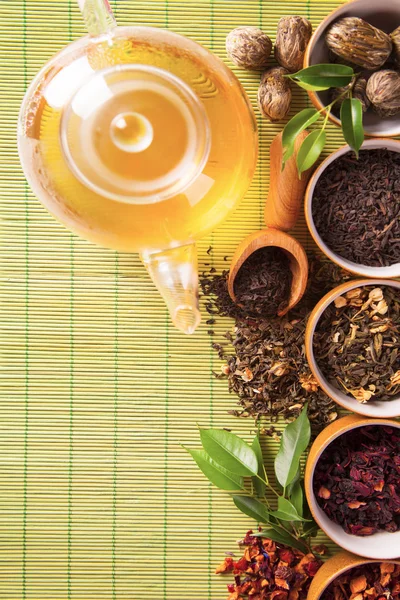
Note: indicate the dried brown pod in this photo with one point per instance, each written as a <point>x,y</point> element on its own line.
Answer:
<point>274,94</point>
<point>292,37</point>
<point>395,37</point>
<point>248,47</point>
<point>355,40</point>
<point>359,91</point>
<point>383,90</point>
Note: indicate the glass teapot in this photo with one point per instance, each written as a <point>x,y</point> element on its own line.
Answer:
<point>140,140</point>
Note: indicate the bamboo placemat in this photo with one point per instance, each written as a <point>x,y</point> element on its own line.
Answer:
<point>98,499</point>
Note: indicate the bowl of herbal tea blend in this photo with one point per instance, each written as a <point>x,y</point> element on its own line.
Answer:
<point>346,576</point>
<point>353,346</point>
<point>352,484</point>
<point>352,208</point>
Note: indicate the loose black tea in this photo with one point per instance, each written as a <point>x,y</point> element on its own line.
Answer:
<point>357,343</point>
<point>264,359</point>
<point>356,480</point>
<point>372,581</point>
<point>263,282</point>
<point>356,207</point>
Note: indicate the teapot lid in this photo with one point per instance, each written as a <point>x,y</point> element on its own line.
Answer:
<point>135,133</point>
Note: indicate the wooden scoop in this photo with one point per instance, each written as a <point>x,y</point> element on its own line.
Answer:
<point>281,212</point>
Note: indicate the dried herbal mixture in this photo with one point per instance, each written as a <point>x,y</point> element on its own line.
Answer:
<point>356,207</point>
<point>269,571</point>
<point>357,480</point>
<point>264,359</point>
<point>373,581</point>
<point>263,282</point>
<point>357,343</point>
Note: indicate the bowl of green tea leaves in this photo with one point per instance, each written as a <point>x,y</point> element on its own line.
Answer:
<point>353,346</point>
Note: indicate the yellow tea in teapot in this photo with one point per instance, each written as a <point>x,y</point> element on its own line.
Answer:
<point>138,143</point>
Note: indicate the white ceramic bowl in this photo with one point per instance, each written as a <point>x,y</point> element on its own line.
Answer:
<point>384,14</point>
<point>363,270</point>
<point>373,408</point>
<point>382,545</point>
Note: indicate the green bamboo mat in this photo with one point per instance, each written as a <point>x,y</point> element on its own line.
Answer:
<point>98,499</point>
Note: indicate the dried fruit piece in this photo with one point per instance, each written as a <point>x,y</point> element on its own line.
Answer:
<point>355,40</point>
<point>359,91</point>
<point>292,37</point>
<point>383,90</point>
<point>248,47</point>
<point>395,37</point>
<point>274,94</point>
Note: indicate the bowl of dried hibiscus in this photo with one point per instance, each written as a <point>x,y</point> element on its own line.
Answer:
<point>353,488</point>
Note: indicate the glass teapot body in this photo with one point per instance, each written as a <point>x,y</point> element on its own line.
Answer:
<point>140,140</point>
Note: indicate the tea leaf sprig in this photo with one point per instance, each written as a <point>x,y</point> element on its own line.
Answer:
<point>318,78</point>
<point>226,460</point>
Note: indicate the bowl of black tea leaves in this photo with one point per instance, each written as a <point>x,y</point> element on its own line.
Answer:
<point>352,208</point>
<point>352,483</point>
<point>353,346</point>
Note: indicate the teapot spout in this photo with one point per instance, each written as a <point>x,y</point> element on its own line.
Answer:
<point>174,273</point>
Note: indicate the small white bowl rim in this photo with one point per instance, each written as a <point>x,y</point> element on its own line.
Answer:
<point>333,530</point>
<point>332,16</point>
<point>342,570</point>
<point>358,269</point>
<point>388,409</point>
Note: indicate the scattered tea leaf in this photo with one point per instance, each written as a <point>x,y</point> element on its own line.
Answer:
<point>229,451</point>
<point>220,477</point>
<point>310,150</point>
<point>351,116</point>
<point>259,486</point>
<point>294,441</point>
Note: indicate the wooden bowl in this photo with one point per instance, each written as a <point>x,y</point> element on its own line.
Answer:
<point>333,568</point>
<point>385,15</point>
<point>357,269</point>
<point>380,546</point>
<point>373,408</point>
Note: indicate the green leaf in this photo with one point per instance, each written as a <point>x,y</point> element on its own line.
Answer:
<point>282,537</point>
<point>252,508</point>
<point>286,511</point>
<point>296,496</point>
<point>296,125</point>
<point>310,528</point>
<point>293,483</point>
<point>310,150</point>
<point>323,76</point>
<point>223,479</point>
<point>351,116</point>
<point>294,441</point>
<point>229,451</point>
<point>259,486</point>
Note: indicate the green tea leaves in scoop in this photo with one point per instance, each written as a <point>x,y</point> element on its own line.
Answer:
<point>220,477</point>
<point>322,77</point>
<point>351,116</point>
<point>310,150</point>
<point>296,125</point>
<point>294,441</point>
<point>229,451</point>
